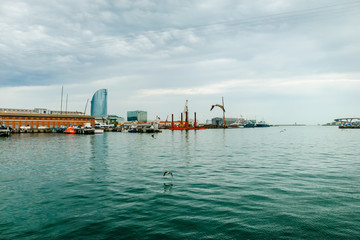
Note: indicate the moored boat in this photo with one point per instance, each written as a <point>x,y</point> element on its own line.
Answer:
<point>70,130</point>
<point>250,124</point>
<point>262,124</point>
<point>5,131</point>
<point>240,122</point>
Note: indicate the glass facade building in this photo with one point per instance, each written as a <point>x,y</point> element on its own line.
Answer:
<point>140,116</point>
<point>99,103</point>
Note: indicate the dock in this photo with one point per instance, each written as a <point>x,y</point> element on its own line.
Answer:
<point>85,131</point>
<point>54,130</point>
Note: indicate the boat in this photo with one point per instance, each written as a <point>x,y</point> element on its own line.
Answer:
<point>262,124</point>
<point>249,125</point>
<point>70,130</point>
<point>240,122</point>
<point>25,128</point>
<point>5,131</point>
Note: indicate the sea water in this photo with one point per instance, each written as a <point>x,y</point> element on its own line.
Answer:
<point>262,183</point>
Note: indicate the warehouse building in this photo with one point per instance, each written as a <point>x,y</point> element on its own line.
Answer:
<point>41,120</point>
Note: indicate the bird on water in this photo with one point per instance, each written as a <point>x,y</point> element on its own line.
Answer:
<point>165,173</point>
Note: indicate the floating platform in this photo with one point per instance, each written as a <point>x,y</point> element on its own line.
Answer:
<point>36,130</point>
<point>212,126</point>
<point>85,131</point>
<point>184,128</point>
<point>146,130</point>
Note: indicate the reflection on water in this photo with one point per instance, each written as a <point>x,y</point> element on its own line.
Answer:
<point>168,187</point>
<point>99,153</point>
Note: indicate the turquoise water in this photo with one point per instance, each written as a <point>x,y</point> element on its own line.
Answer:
<point>303,183</point>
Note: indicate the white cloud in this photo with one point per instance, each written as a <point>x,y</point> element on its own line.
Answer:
<point>259,54</point>
<point>310,85</point>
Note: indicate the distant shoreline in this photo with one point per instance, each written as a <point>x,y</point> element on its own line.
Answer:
<point>289,125</point>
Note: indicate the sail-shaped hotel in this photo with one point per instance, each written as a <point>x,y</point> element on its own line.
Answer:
<point>99,103</point>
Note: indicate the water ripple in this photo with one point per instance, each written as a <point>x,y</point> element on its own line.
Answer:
<point>236,184</point>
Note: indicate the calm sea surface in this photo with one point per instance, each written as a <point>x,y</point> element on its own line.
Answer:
<point>303,183</point>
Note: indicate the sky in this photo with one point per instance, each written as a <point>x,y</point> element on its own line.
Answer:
<point>279,61</point>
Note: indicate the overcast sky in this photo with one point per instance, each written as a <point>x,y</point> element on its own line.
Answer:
<point>280,61</point>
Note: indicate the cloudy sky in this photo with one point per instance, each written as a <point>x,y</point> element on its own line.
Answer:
<point>275,60</point>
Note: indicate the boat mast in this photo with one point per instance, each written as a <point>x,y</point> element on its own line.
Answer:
<point>62,91</point>
<point>66,103</point>
<point>86,106</point>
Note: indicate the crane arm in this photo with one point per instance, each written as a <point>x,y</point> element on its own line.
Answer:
<point>186,109</point>
<point>217,105</point>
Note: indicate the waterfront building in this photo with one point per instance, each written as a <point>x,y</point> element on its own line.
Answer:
<point>114,118</point>
<point>99,103</point>
<point>219,121</point>
<point>109,120</point>
<point>140,116</point>
<point>41,120</point>
<point>39,111</point>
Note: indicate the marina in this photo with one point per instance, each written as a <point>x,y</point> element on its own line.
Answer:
<point>194,120</point>
<point>41,120</point>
